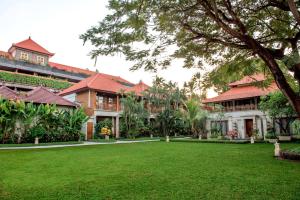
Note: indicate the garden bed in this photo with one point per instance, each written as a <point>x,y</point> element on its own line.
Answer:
<point>291,154</point>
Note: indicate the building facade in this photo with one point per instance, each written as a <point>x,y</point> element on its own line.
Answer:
<point>100,97</point>
<point>27,65</point>
<point>237,109</point>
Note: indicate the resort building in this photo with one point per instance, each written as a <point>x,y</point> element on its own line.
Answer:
<point>39,95</point>
<point>26,65</point>
<point>239,108</point>
<point>100,97</point>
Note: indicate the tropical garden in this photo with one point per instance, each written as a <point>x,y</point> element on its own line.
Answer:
<point>22,122</point>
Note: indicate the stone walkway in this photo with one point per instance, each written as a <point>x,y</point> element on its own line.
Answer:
<point>76,145</point>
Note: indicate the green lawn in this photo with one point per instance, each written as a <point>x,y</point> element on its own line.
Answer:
<point>40,144</point>
<point>155,170</point>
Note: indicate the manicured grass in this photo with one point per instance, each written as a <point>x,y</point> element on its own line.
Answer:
<point>40,144</point>
<point>154,170</point>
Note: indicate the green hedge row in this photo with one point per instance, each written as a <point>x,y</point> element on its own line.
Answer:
<point>212,141</point>
<point>33,80</point>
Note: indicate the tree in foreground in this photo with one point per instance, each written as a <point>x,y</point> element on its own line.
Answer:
<point>220,32</point>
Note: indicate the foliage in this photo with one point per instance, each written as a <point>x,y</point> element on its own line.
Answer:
<point>277,107</point>
<point>10,112</point>
<point>167,97</point>
<point>37,131</point>
<point>133,116</point>
<point>296,127</point>
<point>72,121</point>
<point>195,116</point>
<point>205,33</point>
<point>44,121</point>
<point>33,80</point>
<point>271,134</point>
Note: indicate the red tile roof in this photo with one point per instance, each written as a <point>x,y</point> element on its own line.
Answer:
<point>138,89</point>
<point>33,46</point>
<point>5,55</point>
<point>106,83</point>
<point>99,82</point>
<point>7,93</point>
<point>43,96</point>
<point>248,80</point>
<point>70,68</point>
<point>242,92</point>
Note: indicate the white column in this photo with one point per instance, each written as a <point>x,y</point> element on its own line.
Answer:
<point>265,125</point>
<point>117,127</point>
<point>230,125</point>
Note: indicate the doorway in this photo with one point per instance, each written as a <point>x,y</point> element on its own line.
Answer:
<point>249,127</point>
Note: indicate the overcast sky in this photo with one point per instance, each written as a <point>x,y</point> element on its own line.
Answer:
<point>57,24</point>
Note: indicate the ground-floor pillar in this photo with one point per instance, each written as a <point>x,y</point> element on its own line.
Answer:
<point>117,127</point>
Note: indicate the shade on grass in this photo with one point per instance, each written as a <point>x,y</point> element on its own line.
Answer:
<point>155,170</point>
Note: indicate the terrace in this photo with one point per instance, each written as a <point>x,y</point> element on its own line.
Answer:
<point>237,105</point>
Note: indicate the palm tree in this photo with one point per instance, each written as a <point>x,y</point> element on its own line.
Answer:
<point>194,115</point>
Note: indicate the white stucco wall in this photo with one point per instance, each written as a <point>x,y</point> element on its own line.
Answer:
<point>259,121</point>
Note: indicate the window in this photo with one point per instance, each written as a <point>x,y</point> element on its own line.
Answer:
<point>100,99</point>
<point>40,60</point>
<point>24,56</point>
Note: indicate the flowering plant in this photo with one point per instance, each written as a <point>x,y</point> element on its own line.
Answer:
<point>105,130</point>
<point>232,134</point>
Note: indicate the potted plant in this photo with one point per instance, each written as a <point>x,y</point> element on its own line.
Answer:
<point>106,132</point>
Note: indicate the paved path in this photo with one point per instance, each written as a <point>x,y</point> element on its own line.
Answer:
<point>76,145</point>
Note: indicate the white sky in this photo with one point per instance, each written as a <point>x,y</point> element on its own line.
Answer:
<point>57,24</point>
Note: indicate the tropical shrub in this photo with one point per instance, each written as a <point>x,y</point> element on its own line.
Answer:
<point>277,106</point>
<point>43,121</point>
<point>296,127</point>
<point>195,116</point>
<point>133,116</point>
<point>271,134</point>
<point>37,131</point>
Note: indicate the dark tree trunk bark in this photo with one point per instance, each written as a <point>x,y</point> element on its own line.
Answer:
<point>279,78</point>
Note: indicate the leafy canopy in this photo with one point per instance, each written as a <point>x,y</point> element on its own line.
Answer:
<point>153,33</point>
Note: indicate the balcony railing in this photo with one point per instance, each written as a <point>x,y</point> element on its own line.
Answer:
<point>238,108</point>
<point>112,107</point>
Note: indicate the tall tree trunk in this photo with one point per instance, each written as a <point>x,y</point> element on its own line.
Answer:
<point>278,75</point>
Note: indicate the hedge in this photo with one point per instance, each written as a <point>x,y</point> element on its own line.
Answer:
<point>211,141</point>
<point>33,80</point>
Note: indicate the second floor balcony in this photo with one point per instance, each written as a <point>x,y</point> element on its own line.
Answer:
<point>110,107</point>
